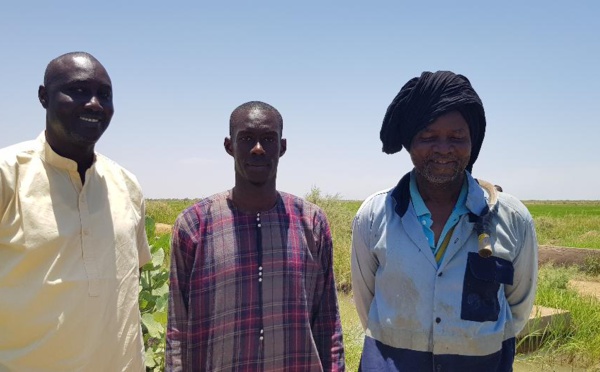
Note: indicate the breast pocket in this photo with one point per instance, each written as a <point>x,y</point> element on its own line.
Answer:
<point>483,277</point>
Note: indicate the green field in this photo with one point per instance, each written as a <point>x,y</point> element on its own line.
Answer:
<point>567,224</point>
<point>558,223</point>
<point>570,224</point>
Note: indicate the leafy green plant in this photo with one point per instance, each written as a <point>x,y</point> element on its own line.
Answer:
<point>154,298</point>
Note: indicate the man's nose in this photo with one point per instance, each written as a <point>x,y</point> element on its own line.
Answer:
<point>258,149</point>
<point>94,103</point>
<point>443,147</point>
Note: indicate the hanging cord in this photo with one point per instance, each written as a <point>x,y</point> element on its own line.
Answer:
<point>483,223</point>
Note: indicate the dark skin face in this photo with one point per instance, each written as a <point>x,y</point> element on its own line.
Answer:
<point>78,102</point>
<point>440,153</point>
<point>256,146</point>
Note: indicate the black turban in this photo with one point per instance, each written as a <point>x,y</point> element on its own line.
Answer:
<point>424,99</point>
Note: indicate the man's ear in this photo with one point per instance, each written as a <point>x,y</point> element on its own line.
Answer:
<point>283,147</point>
<point>228,145</point>
<point>43,96</point>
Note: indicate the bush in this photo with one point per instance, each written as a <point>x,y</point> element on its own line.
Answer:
<point>154,298</point>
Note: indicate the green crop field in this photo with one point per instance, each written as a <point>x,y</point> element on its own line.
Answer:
<point>569,224</point>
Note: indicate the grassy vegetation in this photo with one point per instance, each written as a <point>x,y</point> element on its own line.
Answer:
<point>339,214</point>
<point>353,332</point>
<point>567,224</point>
<point>576,343</point>
<point>166,210</point>
<point>560,224</point>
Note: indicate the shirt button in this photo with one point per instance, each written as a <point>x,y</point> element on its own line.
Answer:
<point>261,338</point>
<point>262,331</point>
<point>260,274</point>
<point>260,268</point>
<point>424,222</point>
<point>440,274</point>
<point>438,320</point>
<point>259,225</point>
<point>260,279</point>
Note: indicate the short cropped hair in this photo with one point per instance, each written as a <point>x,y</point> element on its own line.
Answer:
<point>57,60</point>
<point>255,105</point>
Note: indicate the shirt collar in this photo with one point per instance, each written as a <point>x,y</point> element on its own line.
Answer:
<point>476,198</point>
<point>417,201</point>
<point>52,158</point>
<point>461,207</point>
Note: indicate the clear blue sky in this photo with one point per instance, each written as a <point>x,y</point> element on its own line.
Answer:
<point>331,68</point>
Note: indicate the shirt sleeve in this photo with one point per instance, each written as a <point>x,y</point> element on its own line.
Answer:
<point>364,266</point>
<point>521,294</point>
<point>177,322</point>
<point>327,326</point>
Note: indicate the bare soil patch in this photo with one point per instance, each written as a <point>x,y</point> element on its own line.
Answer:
<point>163,228</point>
<point>587,289</point>
<point>563,256</point>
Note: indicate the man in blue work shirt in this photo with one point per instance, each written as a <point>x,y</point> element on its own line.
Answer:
<point>444,266</point>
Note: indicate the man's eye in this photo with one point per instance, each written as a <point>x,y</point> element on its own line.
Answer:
<point>246,138</point>
<point>105,95</point>
<point>76,90</point>
<point>269,139</point>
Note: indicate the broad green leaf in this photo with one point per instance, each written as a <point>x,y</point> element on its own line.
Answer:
<point>158,257</point>
<point>162,290</point>
<point>161,317</point>
<point>162,302</point>
<point>150,227</point>
<point>150,362</point>
<point>143,303</point>
<point>154,328</point>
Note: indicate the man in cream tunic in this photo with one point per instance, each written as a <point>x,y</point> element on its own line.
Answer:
<point>72,236</point>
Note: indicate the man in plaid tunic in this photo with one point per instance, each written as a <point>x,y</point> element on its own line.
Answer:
<point>252,285</point>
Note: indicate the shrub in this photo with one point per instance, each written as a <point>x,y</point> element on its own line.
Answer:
<point>154,298</point>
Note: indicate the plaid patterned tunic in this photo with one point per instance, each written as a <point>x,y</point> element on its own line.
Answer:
<point>253,292</point>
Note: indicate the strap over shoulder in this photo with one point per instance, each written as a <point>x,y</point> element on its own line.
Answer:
<point>483,223</point>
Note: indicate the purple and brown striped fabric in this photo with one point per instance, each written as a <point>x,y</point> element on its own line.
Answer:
<point>253,292</point>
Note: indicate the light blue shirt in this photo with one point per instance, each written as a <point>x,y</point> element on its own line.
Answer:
<point>424,215</point>
<point>404,299</point>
